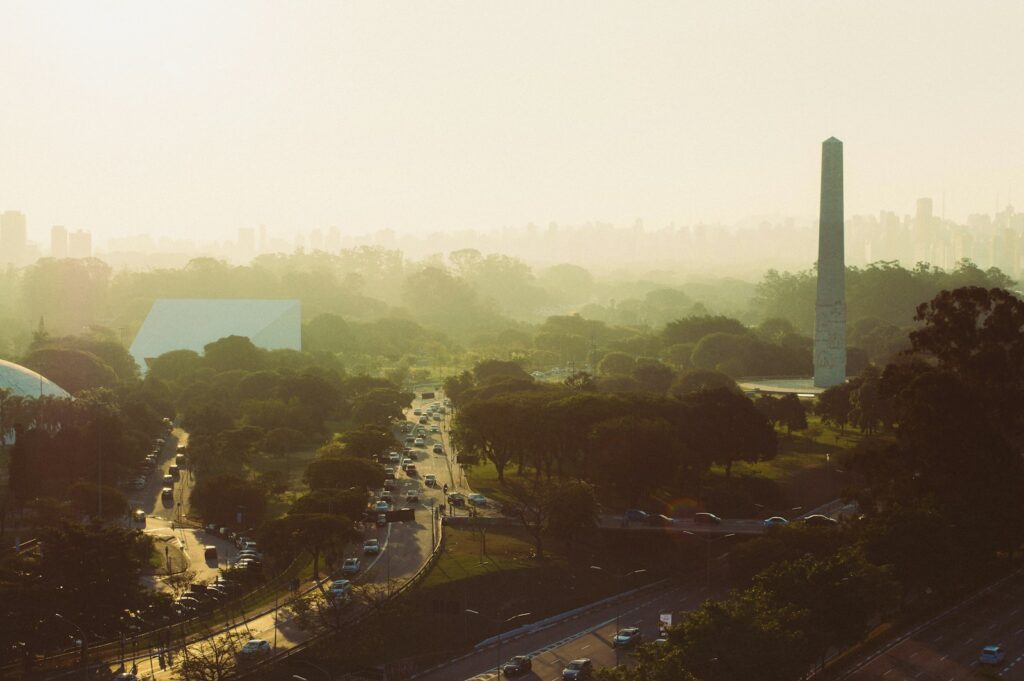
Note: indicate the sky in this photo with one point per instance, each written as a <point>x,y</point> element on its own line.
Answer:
<point>193,119</point>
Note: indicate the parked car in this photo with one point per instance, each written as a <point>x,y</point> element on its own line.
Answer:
<point>626,638</point>
<point>520,664</point>
<point>350,566</point>
<point>456,499</point>
<point>703,518</point>
<point>371,547</point>
<point>478,499</point>
<point>430,480</point>
<point>775,521</point>
<point>992,655</point>
<point>636,515</point>
<point>659,520</point>
<point>819,520</point>
<point>578,670</point>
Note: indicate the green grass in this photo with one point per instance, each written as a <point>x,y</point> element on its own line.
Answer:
<point>468,553</point>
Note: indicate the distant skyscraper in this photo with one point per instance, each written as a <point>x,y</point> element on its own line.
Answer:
<point>58,242</point>
<point>80,244</point>
<point>13,237</point>
<point>830,311</point>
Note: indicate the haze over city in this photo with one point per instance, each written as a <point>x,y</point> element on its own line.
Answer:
<point>194,120</point>
<point>471,341</point>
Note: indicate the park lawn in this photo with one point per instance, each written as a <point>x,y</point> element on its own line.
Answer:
<point>469,553</point>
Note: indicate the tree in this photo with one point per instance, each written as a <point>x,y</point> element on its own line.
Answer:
<point>631,455</point>
<point>86,499</point>
<point>350,503</point>
<point>73,370</point>
<point>343,472</point>
<point>835,406</point>
<point>653,376</point>
<point>214,658</point>
<point>541,507</point>
<point>494,369</point>
<point>791,413</point>
<point>581,381</point>
<point>380,406</point>
<point>283,440</point>
<point>572,507</point>
<point>696,380</point>
<point>616,364</point>
<point>726,427</point>
<point>368,441</point>
<point>314,532</point>
<point>233,352</point>
<point>693,329</point>
<point>220,499</point>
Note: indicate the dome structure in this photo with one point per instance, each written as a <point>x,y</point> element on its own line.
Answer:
<point>27,383</point>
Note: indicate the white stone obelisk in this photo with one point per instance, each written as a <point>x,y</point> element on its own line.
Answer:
<point>830,311</point>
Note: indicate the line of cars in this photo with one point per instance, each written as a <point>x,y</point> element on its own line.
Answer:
<point>704,518</point>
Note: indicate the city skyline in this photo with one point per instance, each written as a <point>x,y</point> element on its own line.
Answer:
<point>197,120</point>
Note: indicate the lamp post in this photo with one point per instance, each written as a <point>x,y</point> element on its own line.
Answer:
<point>618,604</point>
<point>501,628</point>
<point>84,647</point>
<point>327,674</point>
<point>707,561</point>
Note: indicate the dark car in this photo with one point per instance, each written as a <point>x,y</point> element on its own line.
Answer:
<point>520,664</point>
<point>706,519</point>
<point>659,520</point>
<point>818,520</point>
<point>578,670</point>
<point>636,515</point>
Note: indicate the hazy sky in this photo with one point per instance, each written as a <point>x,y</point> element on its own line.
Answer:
<point>199,118</point>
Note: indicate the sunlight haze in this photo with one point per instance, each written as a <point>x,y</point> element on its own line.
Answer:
<point>195,119</point>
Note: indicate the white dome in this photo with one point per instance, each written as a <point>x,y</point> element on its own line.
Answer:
<point>27,383</point>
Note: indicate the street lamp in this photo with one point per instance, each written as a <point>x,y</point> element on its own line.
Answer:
<point>327,674</point>
<point>501,627</point>
<point>618,603</point>
<point>707,562</point>
<point>84,646</point>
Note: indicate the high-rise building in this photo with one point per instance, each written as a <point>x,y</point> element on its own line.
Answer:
<point>13,237</point>
<point>830,310</point>
<point>58,241</point>
<point>80,244</point>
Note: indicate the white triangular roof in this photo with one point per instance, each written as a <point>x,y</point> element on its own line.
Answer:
<point>191,323</point>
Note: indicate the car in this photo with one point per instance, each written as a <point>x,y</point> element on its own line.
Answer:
<point>435,429</point>
<point>381,506</point>
<point>179,459</point>
<point>456,499</point>
<point>659,520</point>
<point>438,449</point>
<point>174,471</point>
<point>159,441</point>
<point>394,457</point>
<point>350,566</point>
<point>417,412</point>
<point>409,440</point>
<point>704,518</point>
<point>385,495</point>
<point>412,497</point>
<point>775,521</point>
<point>992,655</point>
<point>430,480</point>
<point>188,602</point>
<point>411,455</point>
<point>436,417</point>
<point>627,637</point>
<point>478,499</point>
<point>256,647</point>
<point>250,554</point>
<point>139,516</point>
<point>520,664</point>
<point>167,493</point>
<point>819,520</point>
<point>577,670</point>
<point>371,547</point>
<point>382,520</point>
<point>410,469</point>
<point>419,442</point>
<point>636,515</point>
<point>168,480</point>
<point>389,473</point>
<point>423,420</point>
<point>339,586</point>
<point>390,484</point>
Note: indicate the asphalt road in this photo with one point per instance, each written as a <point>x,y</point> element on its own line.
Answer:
<point>947,648</point>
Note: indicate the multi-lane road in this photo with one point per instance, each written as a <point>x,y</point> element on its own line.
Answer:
<point>947,648</point>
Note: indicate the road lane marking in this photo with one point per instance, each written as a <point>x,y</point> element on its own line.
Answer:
<point>888,672</point>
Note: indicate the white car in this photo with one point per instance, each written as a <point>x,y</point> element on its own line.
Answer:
<point>255,647</point>
<point>992,655</point>
<point>351,566</point>
<point>419,442</point>
<point>340,588</point>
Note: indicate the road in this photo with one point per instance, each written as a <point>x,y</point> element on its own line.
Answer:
<point>587,636</point>
<point>405,548</point>
<point>947,648</point>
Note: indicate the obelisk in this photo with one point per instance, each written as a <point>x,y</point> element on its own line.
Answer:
<point>830,310</point>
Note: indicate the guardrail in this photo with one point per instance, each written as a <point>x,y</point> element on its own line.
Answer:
<point>355,618</point>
